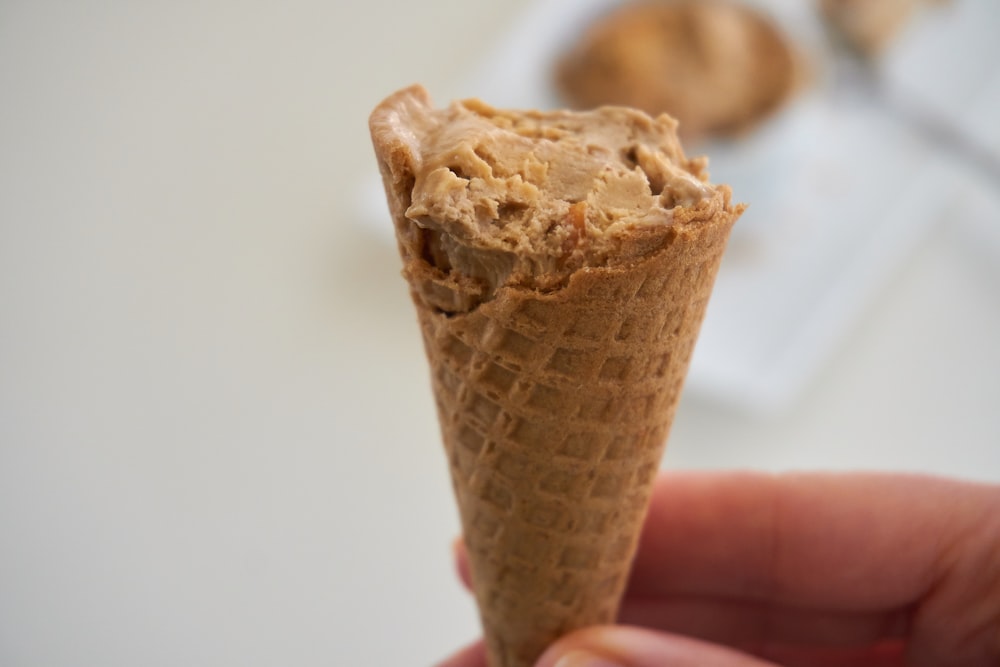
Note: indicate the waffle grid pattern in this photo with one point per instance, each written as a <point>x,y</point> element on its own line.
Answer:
<point>554,413</point>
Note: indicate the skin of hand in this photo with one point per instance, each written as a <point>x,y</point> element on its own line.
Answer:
<point>818,570</point>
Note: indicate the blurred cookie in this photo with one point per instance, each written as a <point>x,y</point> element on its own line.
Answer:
<point>718,67</point>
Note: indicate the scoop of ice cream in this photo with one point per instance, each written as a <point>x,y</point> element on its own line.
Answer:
<point>500,198</point>
<point>718,67</point>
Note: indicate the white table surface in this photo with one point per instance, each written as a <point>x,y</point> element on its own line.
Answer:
<point>217,442</point>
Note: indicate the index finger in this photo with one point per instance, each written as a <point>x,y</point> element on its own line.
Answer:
<point>851,542</point>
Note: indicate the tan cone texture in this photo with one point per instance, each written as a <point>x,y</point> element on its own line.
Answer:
<point>554,411</point>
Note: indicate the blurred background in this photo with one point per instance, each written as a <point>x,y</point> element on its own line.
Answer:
<point>217,441</point>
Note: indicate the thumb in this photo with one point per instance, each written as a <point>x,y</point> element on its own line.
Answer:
<point>623,646</point>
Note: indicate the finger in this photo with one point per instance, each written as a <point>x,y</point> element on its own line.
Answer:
<point>885,654</point>
<point>741,622</point>
<point>622,646</point>
<point>461,559</point>
<point>842,542</point>
<point>700,525</point>
<point>473,655</point>
<point>744,623</point>
<point>919,519</point>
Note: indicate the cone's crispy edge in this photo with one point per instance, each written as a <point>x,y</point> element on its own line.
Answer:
<point>554,406</point>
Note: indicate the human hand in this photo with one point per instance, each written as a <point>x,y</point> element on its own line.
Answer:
<point>817,570</point>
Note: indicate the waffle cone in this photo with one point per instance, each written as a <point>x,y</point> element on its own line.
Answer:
<point>554,410</point>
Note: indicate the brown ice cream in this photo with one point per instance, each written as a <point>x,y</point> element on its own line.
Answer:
<point>527,198</point>
<point>718,67</point>
<point>560,264</point>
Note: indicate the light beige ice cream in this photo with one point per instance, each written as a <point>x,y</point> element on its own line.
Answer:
<point>504,198</point>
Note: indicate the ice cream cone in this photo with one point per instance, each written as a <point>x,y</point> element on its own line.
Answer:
<point>554,402</point>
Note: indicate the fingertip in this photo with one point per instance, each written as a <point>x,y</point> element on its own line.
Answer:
<point>583,648</point>
<point>473,655</point>
<point>585,659</point>
<point>623,646</point>
<point>461,559</point>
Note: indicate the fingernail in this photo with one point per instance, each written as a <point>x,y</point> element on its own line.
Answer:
<point>585,659</point>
